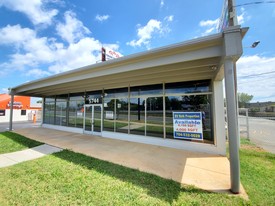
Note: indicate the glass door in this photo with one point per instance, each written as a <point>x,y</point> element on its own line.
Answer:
<point>92,122</point>
<point>97,118</point>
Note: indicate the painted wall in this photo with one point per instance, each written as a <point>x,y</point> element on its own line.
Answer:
<point>20,103</point>
<point>17,116</point>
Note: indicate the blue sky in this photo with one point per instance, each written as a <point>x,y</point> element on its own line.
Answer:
<point>39,38</point>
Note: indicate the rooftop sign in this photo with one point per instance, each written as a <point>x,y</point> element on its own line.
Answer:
<point>108,54</point>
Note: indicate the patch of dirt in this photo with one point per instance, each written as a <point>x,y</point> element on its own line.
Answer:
<point>252,147</point>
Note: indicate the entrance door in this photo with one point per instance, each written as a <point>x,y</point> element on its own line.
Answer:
<point>92,123</point>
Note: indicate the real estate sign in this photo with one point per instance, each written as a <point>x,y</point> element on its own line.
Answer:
<point>188,125</point>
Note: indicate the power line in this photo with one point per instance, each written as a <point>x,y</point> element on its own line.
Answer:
<point>255,80</point>
<point>255,75</point>
<point>256,2</point>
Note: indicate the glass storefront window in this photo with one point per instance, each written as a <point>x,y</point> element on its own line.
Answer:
<point>146,110</point>
<point>190,103</point>
<point>49,110</point>
<point>94,97</point>
<point>187,87</point>
<point>61,113</point>
<point>109,115</point>
<point>137,116</point>
<point>121,123</point>
<point>154,116</point>
<point>76,112</point>
<point>146,90</point>
<point>116,110</point>
<point>116,93</point>
<point>61,110</point>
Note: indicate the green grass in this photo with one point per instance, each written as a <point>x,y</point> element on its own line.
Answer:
<point>257,173</point>
<point>68,178</point>
<point>12,142</point>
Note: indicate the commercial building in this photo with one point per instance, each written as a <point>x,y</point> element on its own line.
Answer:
<point>22,108</point>
<point>170,96</point>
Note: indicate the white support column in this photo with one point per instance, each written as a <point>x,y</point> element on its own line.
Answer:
<point>219,117</point>
<point>42,111</point>
<point>11,109</point>
<point>232,124</point>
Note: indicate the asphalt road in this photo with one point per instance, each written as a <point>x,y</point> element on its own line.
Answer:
<point>262,133</point>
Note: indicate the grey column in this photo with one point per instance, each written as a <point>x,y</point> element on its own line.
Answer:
<point>232,125</point>
<point>42,111</point>
<point>11,110</point>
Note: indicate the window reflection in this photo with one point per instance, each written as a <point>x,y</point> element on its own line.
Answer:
<point>146,112</point>
<point>109,115</point>
<point>76,111</point>
<point>116,110</point>
<point>49,110</point>
<point>154,120</point>
<point>61,114</point>
<point>146,90</point>
<point>188,87</point>
<point>121,123</point>
<point>137,116</point>
<point>189,103</point>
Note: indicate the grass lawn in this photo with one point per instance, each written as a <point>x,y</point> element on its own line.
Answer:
<point>257,173</point>
<point>12,142</point>
<point>68,178</point>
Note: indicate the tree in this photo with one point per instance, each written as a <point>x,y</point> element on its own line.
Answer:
<point>244,98</point>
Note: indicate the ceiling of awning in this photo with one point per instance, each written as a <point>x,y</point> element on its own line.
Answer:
<point>197,59</point>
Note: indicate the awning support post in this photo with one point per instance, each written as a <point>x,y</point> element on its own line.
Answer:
<point>232,51</point>
<point>11,109</point>
<point>232,125</point>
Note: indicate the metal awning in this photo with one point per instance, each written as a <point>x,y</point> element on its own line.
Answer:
<point>196,59</point>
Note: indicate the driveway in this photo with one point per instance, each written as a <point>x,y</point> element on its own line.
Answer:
<point>262,133</point>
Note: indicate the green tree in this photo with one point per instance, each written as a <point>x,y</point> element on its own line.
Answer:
<point>244,98</point>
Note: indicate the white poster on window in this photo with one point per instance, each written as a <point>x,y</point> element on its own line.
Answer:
<point>188,125</point>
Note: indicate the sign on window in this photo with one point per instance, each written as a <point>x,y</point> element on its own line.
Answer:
<point>188,125</point>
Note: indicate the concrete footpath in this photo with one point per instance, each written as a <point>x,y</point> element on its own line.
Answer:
<point>205,171</point>
<point>13,158</point>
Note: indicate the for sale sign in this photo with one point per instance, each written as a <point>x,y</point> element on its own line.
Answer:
<point>188,125</point>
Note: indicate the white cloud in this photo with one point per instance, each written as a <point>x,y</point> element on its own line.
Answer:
<point>256,76</point>
<point>169,18</point>
<point>34,9</point>
<point>161,3</point>
<point>82,53</point>
<point>211,26</point>
<point>73,29</point>
<point>4,91</point>
<point>243,17</point>
<point>211,23</point>
<point>37,73</point>
<point>145,33</point>
<point>30,49</point>
<point>15,34</point>
<point>41,56</point>
<point>102,17</point>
